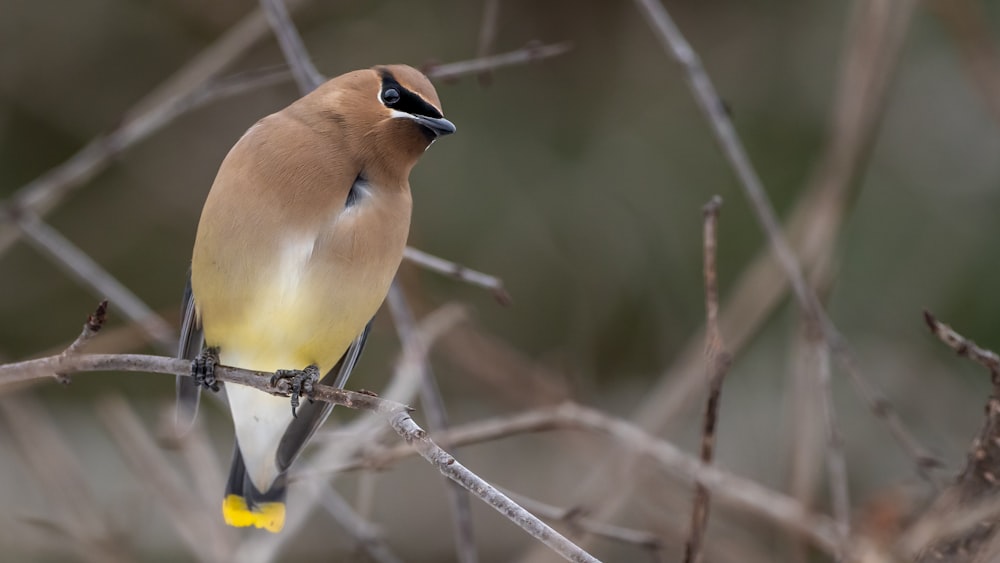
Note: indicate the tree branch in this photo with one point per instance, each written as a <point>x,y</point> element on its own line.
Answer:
<point>397,414</point>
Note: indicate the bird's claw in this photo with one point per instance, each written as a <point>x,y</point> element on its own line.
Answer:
<point>203,368</point>
<point>300,382</point>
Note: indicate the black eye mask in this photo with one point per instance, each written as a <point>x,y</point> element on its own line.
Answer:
<point>405,100</point>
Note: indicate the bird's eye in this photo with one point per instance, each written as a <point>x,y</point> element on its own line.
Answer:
<point>390,96</point>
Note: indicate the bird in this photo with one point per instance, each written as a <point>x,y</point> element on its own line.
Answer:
<point>298,242</point>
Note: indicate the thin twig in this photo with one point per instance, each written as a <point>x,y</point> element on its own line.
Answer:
<point>93,325</point>
<point>531,53</point>
<point>721,125</point>
<point>459,272</point>
<point>578,520</point>
<point>963,346</point>
<point>717,362</point>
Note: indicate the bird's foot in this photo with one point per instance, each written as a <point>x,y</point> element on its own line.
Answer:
<point>300,382</point>
<point>203,368</point>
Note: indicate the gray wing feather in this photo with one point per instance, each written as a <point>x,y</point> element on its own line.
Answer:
<point>312,415</point>
<point>191,342</point>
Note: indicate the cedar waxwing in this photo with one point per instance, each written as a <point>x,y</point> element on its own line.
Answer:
<point>299,240</point>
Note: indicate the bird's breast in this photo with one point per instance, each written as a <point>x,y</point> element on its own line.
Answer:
<point>324,282</point>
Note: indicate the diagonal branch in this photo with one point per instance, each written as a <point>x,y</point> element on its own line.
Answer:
<point>459,272</point>
<point>531,53</point>
<point>89,273</point>
<point>715,112</point>
<point>437,420</point>
<point>305,73</point>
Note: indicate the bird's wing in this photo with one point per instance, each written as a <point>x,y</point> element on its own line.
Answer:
<point>191,342</point>
<point>312,414</point>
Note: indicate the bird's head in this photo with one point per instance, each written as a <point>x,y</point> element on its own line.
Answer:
<point>386,115</point>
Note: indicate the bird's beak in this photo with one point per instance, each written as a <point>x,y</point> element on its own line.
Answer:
<point>437,125</point>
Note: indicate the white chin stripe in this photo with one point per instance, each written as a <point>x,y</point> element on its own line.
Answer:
<point>396,114</point>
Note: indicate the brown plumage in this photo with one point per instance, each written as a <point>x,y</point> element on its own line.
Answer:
<point>298,242</point>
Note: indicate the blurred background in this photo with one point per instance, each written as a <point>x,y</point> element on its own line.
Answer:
<point>579,181</point>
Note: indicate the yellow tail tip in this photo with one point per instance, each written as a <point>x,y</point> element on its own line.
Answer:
<point>267,515</point>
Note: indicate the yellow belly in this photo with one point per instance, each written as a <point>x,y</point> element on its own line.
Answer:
<point>278,331</point>
<point>304,310</point>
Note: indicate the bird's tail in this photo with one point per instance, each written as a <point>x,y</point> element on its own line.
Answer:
<point>245,506</point>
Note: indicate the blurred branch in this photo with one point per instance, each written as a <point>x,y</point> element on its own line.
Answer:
<point>458,272</point>
<point>533,52</point>
<point>195,448</point>
<point>806,443</point>
<point>488,33</point>
<point>89,273</point>
<point>304,71</point>
<point>576,518</point>
<point>437,420</point>
<point>210,62</point>
<point>367,535</point>
<point>508,373</point>
<point>57,470</point>
<point>717,362</point>
<point>722,127</point>
<point>396,414</point>
<point>203,532</point>
<point>968,24</point>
